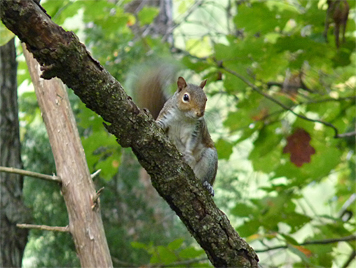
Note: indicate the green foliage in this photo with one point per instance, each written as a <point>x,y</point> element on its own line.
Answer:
<point>276,38</point>
<point>46,203</point>
<point>272,211</point>
<point>147,14</point>
<point>174,253</point>
<point>105,157</point>
<point>5,34</point>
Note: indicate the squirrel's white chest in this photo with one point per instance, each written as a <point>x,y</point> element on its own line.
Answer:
<point>180,134</point>
<point>180,131</point>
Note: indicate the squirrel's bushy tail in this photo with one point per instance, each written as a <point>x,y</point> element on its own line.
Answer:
<point>149,84</point>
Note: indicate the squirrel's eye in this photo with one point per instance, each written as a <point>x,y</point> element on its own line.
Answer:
<point>186,97</point>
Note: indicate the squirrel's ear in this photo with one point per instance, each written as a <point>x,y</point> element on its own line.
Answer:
<point>181,83</point>
<point>203,83</point>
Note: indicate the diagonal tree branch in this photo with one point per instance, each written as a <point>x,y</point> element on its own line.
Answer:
<point>62,55</point>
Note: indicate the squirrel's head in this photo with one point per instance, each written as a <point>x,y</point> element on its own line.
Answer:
<point>191,98</point>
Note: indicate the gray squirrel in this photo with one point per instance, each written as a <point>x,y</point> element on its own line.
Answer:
<point>182,119</point>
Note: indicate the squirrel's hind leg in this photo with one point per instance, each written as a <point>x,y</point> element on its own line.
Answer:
<point>205,169</point>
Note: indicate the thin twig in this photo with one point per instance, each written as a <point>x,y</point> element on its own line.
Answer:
<point>123,263</point>
<point>31,174</point>
<point>350,259</point>
<point>329,99</point>
<point>347,134</point>
<point>95,173</point>
<point>255,88</point>
<point>347,204</point>
<point>330,240</point>
<point>96,198</point>
<point>315,242</point>
<point>44,227</point>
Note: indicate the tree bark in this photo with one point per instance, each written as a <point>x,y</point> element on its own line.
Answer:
<point>12,209</point>
<point>61,54</point>
<point>78,190</point>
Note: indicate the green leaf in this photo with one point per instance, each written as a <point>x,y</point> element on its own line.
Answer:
<point>290,239</point>
<point>224,149</point>
<point>163,255</point>
<point>296,221</point>
<point>190,253</point>
<point>147,14</point>
<point>242,210</point>
<point>138,245</point>
<point>5,34</point>
<point>278,60</point>
<point>109,166</point>
<point>197,66</point>
<point>174,245</point>
<point>89,119</point>
<point>266,153</point>
<point>242,119</point>
<point>97,11</point>
<point>304,49</point>
<point>233,84</point>
<point>263,17</point>
<point>249,227</point>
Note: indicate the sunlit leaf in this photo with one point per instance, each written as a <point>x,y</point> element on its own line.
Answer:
<point>249,228</point>
<point>5,34</point>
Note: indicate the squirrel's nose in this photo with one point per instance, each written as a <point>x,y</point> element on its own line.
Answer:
<point>200,113</point>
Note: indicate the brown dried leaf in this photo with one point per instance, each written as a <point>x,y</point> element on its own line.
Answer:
<point>299,148</point>
<point>304,250</point>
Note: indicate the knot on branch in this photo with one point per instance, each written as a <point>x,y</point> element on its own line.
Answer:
<point>48,71</point>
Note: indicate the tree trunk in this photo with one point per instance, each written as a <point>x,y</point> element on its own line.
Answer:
<point>12,210</point>
<point>78,190</point>
<point>61,54</point>
<point>161,25</point>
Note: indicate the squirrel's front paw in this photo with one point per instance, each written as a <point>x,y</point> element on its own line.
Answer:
<point>188,158</point>
<point>208,186</point>
<point>160,124</point>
